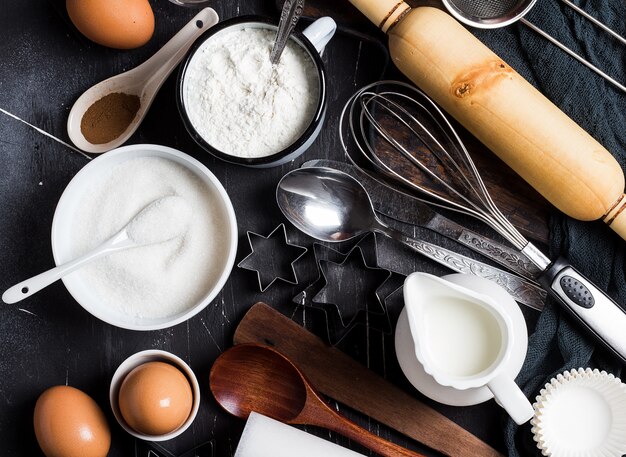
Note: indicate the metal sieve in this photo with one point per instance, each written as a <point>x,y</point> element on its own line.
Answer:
<point>488,14</point>
<point>491,14</point>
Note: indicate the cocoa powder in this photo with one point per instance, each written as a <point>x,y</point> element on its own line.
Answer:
<point>109,117</point>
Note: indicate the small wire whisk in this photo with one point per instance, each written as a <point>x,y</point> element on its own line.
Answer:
<point>392,128</point>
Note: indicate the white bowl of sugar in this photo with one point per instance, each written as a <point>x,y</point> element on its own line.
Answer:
<point>155,286</point>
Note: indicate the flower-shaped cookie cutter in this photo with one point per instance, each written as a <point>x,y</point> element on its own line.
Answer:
<point>272,257</point>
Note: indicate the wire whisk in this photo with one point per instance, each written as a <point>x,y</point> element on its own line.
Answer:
<point>395,128</point>
<point>425,140</point>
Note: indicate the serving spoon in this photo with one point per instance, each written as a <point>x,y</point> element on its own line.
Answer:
<point>332,206</point>
<point>250,377</point>
<point>289,17</point>
<point>134,234</point>
<point>143,81</point>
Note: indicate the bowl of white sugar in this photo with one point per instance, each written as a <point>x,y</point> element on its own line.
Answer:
<point>241,108</point>
<point>156,285</point>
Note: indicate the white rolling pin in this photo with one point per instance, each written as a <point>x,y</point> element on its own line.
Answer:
<point>505,112</point>
<point>265,437</point>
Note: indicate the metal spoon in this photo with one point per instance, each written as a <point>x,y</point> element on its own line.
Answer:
<point>330,205</point>
<point>393,202</point>
<point>143,81</point>
<point>289,17</point>
<point>133,234</point>
<point>249,377</point>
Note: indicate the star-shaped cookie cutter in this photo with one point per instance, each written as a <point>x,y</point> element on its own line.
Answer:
<point>335,290</point>
<point>266,259</point>
<point>152,449</point>
<point>319,295</point>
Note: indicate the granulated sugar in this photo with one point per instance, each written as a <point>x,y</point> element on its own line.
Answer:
<point>243,105</point>
<point>160,221</point>
<point>157,280</point>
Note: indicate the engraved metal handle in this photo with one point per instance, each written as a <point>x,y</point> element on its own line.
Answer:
<point>506,256</point>
<point>522,290</point>
<point>289,17</point>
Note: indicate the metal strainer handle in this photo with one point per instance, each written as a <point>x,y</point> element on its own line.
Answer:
<point>592,19</point>
<point>567,50</point>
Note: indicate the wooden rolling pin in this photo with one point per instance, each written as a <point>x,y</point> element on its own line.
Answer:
<point>506,113</point>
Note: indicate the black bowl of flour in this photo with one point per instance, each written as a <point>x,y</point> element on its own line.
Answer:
<point>243,110</point>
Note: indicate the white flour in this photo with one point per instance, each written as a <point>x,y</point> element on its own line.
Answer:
<point>241,104</point>
<point>157,280</point>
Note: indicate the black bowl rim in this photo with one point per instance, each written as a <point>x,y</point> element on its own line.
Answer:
<point>256,161</point>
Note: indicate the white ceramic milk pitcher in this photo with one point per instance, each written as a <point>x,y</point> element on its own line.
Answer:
<point>463,339</point>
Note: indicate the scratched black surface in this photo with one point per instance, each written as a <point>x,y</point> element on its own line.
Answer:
<point>49,339</point>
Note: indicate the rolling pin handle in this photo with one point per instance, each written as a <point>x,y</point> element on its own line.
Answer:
<point>616,217</point>
<point>383,13</point>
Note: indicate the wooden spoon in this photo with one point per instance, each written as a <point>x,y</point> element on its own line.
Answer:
<point>250,377</point>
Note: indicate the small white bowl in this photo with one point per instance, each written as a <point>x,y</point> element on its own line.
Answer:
<point>64,218</point>
<point>152,355</point>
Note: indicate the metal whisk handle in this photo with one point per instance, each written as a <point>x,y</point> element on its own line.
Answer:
<point>522,290</point>
<point>587,303</point>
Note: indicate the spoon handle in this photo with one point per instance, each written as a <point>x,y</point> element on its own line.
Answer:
<point>289,16</point>
<point>28,287</point>
<point>521,289</point>
<point>158,67</point>
<point>322,415</point>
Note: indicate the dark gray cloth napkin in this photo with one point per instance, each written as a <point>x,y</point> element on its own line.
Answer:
<point>557,344</point>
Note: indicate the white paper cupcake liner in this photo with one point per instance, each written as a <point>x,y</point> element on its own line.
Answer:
<point>581,413</point>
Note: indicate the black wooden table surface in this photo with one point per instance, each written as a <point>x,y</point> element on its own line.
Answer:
<point>49,339</point>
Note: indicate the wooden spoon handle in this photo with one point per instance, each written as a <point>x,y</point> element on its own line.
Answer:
<point>319,414</point>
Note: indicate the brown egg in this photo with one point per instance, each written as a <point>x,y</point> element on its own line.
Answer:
<point>155,398</point>
<point>68,423</point>
<point>121,24</point>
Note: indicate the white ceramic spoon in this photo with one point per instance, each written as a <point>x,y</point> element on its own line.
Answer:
<point>143,81</point>
<point>134,234</point>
